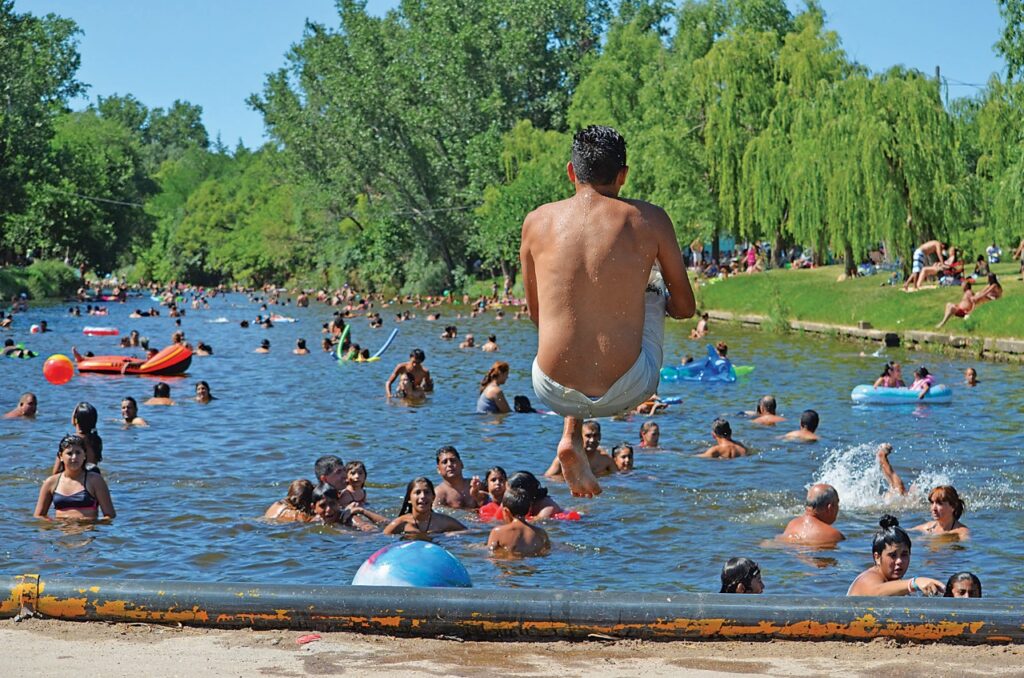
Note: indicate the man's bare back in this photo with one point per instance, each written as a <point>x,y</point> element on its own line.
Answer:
<point>586,263</point>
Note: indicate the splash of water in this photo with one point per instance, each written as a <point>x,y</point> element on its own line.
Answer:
<point>855,474</point>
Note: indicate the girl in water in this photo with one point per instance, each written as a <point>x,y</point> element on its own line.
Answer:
<point>492,398</point>
<point>76,492</point>
<point>296,507</point>
<point>741,575</point>
<point>495,483</point>
<point>891,551</point>
<point>353,497</point>
<point>963,585</point>
<point>324,502</point>
<point>417,516</point>
<point>923,381</point>
<point>946,508</point>
<point>891,377</point>
<point>409,391</point>
<point>84,418</point>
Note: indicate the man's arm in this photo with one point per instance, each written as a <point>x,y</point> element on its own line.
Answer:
<point>681,303</point>
<point>394,375</point>
<point>529,271</point>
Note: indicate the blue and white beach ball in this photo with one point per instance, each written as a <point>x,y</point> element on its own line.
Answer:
<point>412,563</point>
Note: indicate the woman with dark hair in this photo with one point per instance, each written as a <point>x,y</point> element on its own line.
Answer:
<point>946,508</point>
<point>203,395</point>
<point>417,516</point>
<point>991,292</point>
<point>76,491</point>
<point>84,418</point>
<point>891,551</point>
<point>492,398</point>
<point>963,585</point>
<point>891,376</point>
<point>543,506</point>
<point>741,575</point>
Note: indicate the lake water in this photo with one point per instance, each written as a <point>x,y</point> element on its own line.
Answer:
<point>190,489</point>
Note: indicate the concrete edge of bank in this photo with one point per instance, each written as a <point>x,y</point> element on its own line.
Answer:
<point>993,348</point>
<point>515,614</point>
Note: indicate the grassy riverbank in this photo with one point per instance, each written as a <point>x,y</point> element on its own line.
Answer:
<point>816,295</point>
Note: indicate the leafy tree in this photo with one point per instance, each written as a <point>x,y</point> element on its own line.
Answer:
<point>534,163</point>
<point>408,110</point>
<point>40,60</point>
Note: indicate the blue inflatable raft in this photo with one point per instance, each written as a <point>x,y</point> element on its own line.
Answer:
<point>712,368</point>
<point>865,393</point>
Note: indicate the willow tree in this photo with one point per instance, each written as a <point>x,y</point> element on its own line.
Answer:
<point>1000,165</point>
<point>534,164</point>
<point>735,86</point>
<point>783,164</point>
<point>922,156</point>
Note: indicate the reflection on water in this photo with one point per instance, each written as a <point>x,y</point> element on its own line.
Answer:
<point>190,488</point>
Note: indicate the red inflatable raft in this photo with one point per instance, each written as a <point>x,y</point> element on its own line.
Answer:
<point>175,359</point>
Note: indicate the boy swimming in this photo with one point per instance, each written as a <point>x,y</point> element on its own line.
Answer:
<point>518,537</point>
<point>587,269</point>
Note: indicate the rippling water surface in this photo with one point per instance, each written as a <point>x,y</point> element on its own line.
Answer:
<point>189,489</point>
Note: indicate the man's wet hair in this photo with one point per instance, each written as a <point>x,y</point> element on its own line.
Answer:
<point>720,427</point>
<point>822,498</point>
<point>767,404</point>
<point>418,354</point>
<point>446,449</point>
<point>598,153</point>
<point>809,420</point>
<point>326,465</point>
<point>594,424</point>
<point>518,501</point>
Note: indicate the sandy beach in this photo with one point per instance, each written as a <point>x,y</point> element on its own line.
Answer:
<point>50,648</point>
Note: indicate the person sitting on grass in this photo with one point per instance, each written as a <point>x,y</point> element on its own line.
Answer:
<point>725,447</point>
<point>808,426</point>
<point>517,537</point>
<point>962,308</point>
<point>992,291</point>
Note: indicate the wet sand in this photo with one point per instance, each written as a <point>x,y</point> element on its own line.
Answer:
<point>50,648</point>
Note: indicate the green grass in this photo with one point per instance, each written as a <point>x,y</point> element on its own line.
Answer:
<point>815,295</point>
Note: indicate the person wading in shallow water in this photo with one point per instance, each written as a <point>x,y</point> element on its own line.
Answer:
<point>599,306</point>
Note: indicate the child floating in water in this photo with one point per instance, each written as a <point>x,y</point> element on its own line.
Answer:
<point>517,537</point>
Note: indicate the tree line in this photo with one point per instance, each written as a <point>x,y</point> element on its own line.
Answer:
<point>406,149</point>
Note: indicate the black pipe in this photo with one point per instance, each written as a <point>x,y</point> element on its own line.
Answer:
<point>517,613</point>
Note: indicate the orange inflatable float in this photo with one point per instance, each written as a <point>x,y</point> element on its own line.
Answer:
<point>175,359</point>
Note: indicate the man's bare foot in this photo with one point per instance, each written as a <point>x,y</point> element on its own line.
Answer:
<point>884,450</point>
<point>576,469</point>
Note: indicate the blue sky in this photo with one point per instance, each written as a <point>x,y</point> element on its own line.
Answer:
<point>215,53</point>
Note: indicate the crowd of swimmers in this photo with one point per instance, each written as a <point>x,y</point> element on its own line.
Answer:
<point>516,503</point>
